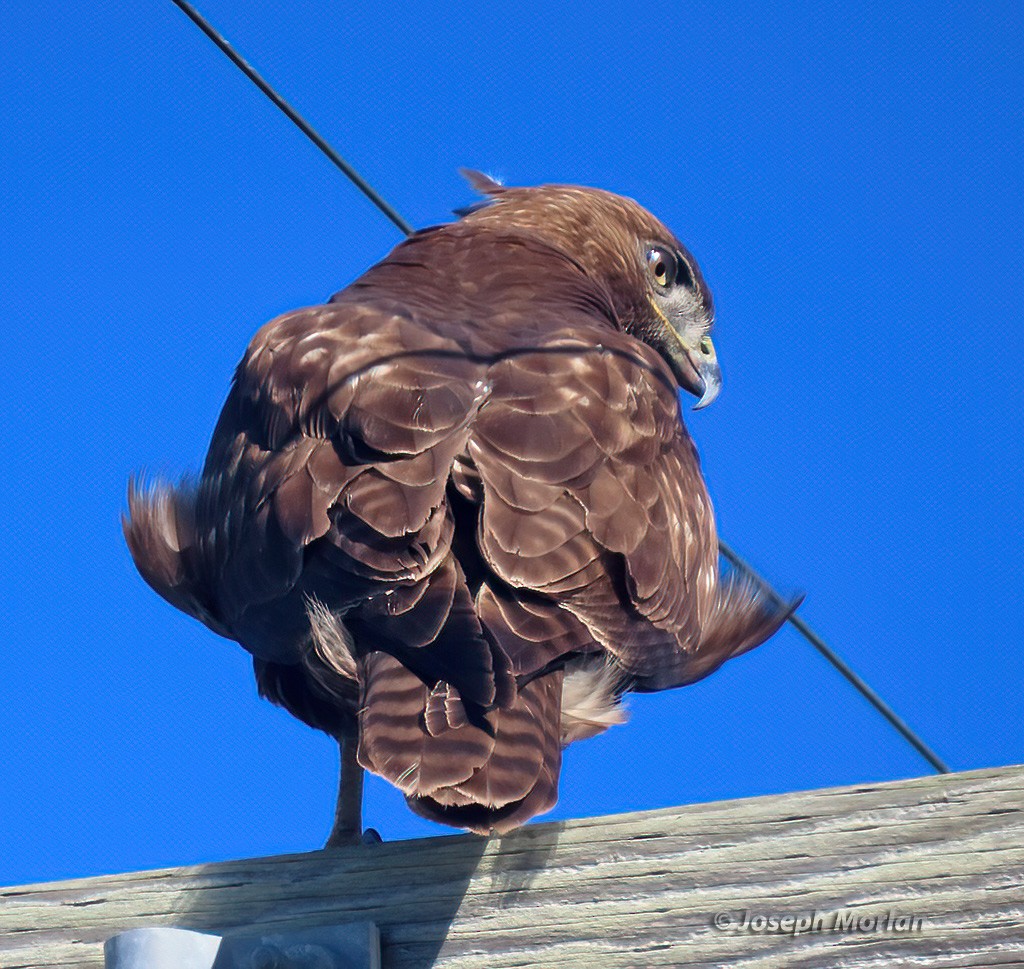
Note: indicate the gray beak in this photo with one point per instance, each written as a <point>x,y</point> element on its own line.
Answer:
<point>700,373</point>
<point>710,374</point>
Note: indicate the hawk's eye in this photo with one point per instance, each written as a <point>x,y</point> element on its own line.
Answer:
<point>662,265</point>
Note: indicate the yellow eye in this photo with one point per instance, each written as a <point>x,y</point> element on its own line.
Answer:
<point>662,266</point>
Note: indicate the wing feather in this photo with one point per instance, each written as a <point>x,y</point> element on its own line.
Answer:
<point>629,545</point>
<point>423,518</point>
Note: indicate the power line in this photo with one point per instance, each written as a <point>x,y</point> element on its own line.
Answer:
<point>809,634</point>
<point>301,123</point>
<point>837,661</point>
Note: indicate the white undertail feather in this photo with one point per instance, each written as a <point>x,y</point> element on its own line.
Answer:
<point>332,642</point>
<point>591,699</point>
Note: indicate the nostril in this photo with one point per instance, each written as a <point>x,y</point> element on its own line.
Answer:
<point>706,347</point>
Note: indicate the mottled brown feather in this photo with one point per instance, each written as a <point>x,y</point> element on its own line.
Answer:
<point>460,485</point>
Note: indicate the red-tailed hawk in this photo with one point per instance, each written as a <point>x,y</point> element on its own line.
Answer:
<point>454,514</point>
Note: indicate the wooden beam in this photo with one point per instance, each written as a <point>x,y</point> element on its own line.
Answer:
<point>928,872</point>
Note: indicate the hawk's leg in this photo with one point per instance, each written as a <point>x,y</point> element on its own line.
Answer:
<point>348,814</point>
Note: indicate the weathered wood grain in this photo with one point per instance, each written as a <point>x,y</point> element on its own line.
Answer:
<point>631,890</point>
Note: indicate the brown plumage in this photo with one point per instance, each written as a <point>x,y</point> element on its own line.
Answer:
<point>454,511</point>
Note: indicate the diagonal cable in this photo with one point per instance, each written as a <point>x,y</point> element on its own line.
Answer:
<point>837,661</point>
<point>301,123</point>
<point>801,627</point>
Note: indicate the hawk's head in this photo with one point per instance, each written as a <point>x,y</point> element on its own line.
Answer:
<point>657,288</point>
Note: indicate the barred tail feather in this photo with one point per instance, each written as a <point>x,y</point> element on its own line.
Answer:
<point>486,771</point>
<point>393,738</point>
<point>520,778</point>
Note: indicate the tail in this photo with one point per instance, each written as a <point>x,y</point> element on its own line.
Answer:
<point>160,529</point>
<point>486,771</point>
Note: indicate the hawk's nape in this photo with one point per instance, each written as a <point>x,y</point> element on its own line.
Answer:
<point>454,512</point>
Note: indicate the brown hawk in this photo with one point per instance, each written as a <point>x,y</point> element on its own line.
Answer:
<point>454,514</point>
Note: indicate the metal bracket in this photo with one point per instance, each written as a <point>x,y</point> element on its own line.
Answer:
<point>352,946</point>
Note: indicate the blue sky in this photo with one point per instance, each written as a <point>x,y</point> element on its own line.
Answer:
<point>851,184</point>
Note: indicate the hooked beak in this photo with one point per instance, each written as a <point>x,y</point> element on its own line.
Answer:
<point>698,371</point>
<point>709,373</point>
